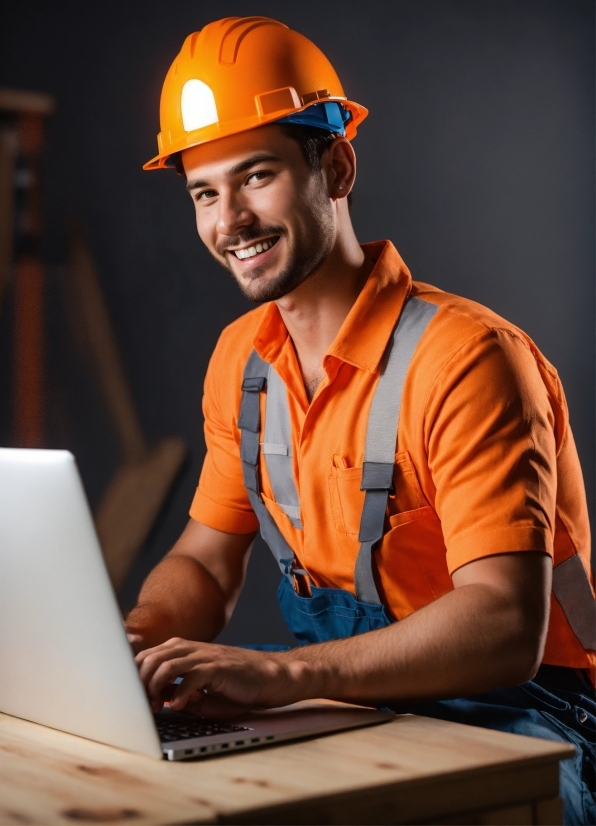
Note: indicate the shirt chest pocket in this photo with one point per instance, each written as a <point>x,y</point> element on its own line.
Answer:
<point>347,499</point>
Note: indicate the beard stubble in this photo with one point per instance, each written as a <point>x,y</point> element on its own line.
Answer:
<point>311,247</point>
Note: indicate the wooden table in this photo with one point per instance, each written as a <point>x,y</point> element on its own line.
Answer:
<point>411,770</point>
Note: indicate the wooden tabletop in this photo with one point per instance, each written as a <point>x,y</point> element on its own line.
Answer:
<point>411,770</point>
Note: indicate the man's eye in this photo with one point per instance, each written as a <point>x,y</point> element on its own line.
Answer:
<point>257,176</point>
<point>205,195</point>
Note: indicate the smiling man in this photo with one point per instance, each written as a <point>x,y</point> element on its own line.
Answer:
<point>265,269</point>
<point>406,453</point>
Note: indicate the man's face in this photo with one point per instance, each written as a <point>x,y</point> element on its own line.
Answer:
<point>261,210</point>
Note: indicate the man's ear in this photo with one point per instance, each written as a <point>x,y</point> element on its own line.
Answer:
<point>339,168</point>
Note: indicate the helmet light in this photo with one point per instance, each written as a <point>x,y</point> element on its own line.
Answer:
<point>198,105</point>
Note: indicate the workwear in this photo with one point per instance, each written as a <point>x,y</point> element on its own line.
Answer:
<point>242,72</point>
<point>485,459</point>
<point>379,452</point>
<point>555,705</point>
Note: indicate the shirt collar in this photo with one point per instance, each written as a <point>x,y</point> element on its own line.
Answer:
<point>363,337</point>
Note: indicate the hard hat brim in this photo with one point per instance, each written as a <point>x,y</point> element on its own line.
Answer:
<point>216,131</point>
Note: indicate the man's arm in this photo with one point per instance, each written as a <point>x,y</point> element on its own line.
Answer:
<point>193,590</point>
<point>488,632</point>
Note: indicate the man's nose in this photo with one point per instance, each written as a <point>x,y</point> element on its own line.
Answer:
<point>233,214</point>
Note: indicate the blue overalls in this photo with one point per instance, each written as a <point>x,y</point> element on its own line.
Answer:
<point>558,704</point>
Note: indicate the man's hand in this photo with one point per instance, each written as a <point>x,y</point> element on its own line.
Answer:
<point>219,680</point>
<point>137,643</point>
<point>488,632</point>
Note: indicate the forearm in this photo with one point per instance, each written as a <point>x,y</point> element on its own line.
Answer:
<point>179,598</point>
<point>470,640</point>
<point>488,632</point>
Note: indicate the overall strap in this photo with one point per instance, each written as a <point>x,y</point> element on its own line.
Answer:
<point>253,382</point>
<point>381,437</point>
<point>277,448</point>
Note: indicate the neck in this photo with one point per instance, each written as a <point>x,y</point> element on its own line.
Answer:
<point>315,311</point>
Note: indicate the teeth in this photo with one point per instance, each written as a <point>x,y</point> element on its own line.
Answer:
<point>262,246</point>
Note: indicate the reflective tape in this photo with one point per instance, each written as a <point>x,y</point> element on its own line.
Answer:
<point>573,591</point>
<point>381,438</point>
<point>277,448</point>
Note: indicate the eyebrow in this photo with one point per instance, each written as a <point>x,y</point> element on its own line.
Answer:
<point>243,166</point>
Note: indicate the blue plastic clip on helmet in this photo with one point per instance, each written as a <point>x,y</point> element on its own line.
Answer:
<point>331,117</point>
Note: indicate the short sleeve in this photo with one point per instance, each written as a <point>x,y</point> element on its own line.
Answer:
<point>491,450</point>
<point>221,500</point>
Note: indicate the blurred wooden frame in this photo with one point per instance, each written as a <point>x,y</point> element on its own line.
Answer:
<point>136,495</point>
<point>23,101</point>
<point>22,116</point>
<point>14,103</point>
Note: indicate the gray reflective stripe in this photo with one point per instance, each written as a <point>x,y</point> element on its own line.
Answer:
<point>572,589</point>
<point>384,411</point>
<point>381,438</point>
<point>280,450</point>
<point>277,448</point>
<point>249,422</point>
<point>293,511</point>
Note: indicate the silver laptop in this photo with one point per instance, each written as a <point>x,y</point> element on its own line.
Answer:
<point>66,661</point>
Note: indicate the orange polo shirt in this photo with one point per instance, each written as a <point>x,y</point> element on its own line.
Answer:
<point>485,461</point>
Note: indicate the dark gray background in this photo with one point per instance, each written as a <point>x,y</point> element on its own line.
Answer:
<point>477,161</point>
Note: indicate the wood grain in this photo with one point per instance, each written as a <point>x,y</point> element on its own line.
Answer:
<point>411,770</point>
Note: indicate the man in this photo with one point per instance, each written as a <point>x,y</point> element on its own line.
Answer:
<point>406,453</point>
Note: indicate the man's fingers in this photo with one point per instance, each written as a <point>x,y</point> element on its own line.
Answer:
<point>161,665</point>
<point>196,678</point>
<point>148,661</point>
<point>165,673</point>
<point>159,649</point>
<point>159,685</point>
<point>195,685</point>
<point>236,677</point>
<point>170,648</point>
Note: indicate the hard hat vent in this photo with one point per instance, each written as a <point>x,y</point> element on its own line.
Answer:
<point>198,105</point>
<point>238,28</point>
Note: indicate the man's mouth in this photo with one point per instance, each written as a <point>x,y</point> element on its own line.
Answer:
<point>255,249</point>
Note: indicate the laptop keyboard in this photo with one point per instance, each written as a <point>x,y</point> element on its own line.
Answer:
<point>183,729</point>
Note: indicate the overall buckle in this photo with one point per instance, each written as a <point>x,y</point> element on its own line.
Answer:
<point>301,579</point>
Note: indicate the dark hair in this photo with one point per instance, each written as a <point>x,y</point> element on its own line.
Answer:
<point>176,160</point>
<point>312,141</point>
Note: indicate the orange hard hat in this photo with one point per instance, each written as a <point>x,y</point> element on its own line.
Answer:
<point>239,73</point>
